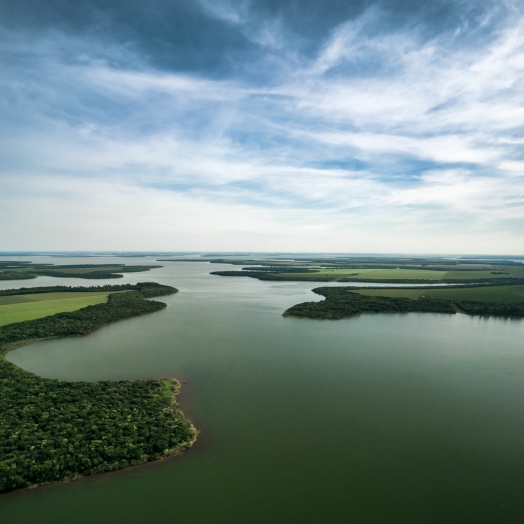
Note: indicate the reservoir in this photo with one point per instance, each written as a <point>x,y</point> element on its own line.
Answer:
<point>413,418</point>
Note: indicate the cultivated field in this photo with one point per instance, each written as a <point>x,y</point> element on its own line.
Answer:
<point>498,294</point>
<point>372,274</point>
<point>18,308</point>
<point>401,274</point>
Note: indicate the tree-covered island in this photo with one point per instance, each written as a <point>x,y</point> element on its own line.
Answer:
<point>53,430</point>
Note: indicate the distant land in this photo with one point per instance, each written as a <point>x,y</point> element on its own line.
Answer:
<point>17,270</point>
<point>380,269</point>
<point>468,285</point>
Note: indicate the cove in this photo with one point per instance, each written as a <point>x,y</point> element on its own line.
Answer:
<point>380,418</point>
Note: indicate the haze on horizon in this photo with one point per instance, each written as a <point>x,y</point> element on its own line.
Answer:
<point>262,125</point>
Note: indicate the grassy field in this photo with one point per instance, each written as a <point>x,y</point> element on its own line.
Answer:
<point>347,302</point>
<point>19,308</point>
<point>378,269</point>
<point>460,275</point>
<point>514,271</point>
<point>499,294</point>
<point>371,274</point>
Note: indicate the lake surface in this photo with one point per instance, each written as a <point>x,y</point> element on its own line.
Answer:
<point>377,419</point>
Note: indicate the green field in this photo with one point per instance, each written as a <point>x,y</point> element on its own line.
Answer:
<point>405,275</point>
<point>347,302</point>
<point>19,308</point>
<point>401,274</point>
<point>460,275</point>
<point>372,274</point>
<point>498,294</point>
<point>378,269</point>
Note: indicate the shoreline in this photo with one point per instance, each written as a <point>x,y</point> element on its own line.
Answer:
<point>20,384</point>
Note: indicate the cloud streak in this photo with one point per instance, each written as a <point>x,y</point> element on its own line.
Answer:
<point>379,140</point>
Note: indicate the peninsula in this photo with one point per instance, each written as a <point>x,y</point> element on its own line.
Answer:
<point>346,302</point>
<point>53,430</point>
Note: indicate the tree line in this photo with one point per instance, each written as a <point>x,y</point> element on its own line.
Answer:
<point>342,302</point>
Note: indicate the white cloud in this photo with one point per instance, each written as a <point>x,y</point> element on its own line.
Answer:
<point>379,141</point>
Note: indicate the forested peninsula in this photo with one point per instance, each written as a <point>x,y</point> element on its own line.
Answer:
<point>53,430</point>
<point>346,302</point>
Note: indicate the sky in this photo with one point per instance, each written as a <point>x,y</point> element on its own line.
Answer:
<point>262,125</point>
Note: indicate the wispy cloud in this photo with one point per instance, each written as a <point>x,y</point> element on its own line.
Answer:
<point>379,140</point>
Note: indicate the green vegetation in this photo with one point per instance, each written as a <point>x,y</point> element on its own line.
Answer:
<point>341,302</point>
<point>499,294</point>
<point>55,430</point>
<point>386,276</point>
<point>379,269</point>
<point>345,302</point>
<point>18,308</point>
<point>147,289</point>
<point>28,270</point>
<point>304,275</point>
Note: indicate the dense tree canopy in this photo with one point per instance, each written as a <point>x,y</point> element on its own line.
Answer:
<point>343,302</point>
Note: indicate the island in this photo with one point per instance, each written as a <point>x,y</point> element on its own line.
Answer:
<point>54,430</point>
<point>16,270</point>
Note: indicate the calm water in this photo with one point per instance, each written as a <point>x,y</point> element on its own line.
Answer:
<point>381,419</point>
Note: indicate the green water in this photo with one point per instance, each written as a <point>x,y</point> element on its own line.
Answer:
<point>381,419</point>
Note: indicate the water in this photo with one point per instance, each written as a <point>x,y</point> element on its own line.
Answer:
<point>381,418</point>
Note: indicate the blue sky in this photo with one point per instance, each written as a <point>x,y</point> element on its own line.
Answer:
<point>394,126</point>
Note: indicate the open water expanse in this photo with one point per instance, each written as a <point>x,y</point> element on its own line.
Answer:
<point>413,418</point>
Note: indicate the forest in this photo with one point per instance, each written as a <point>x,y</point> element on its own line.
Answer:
<point>343,302</point>
<point>54,430</point>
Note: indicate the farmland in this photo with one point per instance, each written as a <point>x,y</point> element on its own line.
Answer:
<point>378,269</point>
<point>399,275</point>
<point>500,294</point>
<point>346,302</point>
<point>19,308</point>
